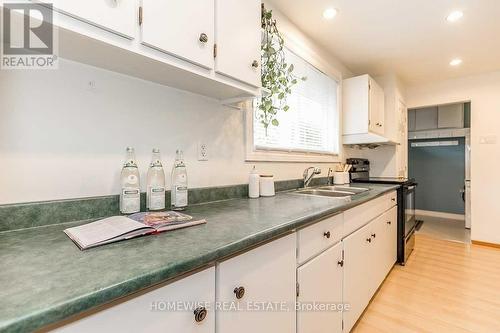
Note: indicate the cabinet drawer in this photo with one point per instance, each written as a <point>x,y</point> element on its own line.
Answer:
<point>318,237</point>
<point>358,216</point>
<point>392,199</point>
<point>140,315</point>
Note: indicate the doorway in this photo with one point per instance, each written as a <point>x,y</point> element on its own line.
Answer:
<point>439,161</point>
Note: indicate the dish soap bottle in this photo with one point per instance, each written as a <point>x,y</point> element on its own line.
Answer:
<point>253,184</point>
<point>155,196</point>
<point>179,191</point>
<point>130,196</point>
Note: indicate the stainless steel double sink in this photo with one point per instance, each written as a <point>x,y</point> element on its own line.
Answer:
<point>333,191</point>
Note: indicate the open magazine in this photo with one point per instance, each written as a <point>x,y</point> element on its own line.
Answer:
<point>117,228</point>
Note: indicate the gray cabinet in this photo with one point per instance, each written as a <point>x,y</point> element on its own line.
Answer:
<point>451,116</point>
<point>426,118</point>
<point>411,120</point>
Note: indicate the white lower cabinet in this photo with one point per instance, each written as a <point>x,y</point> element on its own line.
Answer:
<point>320,283</point>
<point>358,274</point>
<point>150,312</point>
<point>369,254</point>
<point>256,291</point>
<point>389,225</point>
<point>262,276</point>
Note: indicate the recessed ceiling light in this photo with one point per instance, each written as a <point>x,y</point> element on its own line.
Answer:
<point>455,62</point>
<point>454,16</point>
<point>330,13</point>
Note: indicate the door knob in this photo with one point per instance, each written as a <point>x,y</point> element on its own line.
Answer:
<point>327,234</point>
<point>369,240</point>
<point>389,222</point>
<point>203,37</point>
<point>200,313</point>
<point>255,64</point>
<point>340,263</point>
<point>239,292</point>
<point>374,235</point>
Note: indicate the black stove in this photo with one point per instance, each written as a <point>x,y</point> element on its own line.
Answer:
<point>360,173</point>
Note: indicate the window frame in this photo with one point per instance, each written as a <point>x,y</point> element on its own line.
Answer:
<point>254,154</point>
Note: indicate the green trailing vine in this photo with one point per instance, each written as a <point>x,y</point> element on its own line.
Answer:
<point>277,76</point>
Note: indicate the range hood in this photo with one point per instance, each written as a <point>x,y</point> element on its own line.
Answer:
<point>367,139</point>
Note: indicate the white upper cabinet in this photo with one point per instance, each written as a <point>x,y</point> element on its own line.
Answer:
<point>238,37</point>
<point>363,106</point>
<point>376,120</point>
<point>265,274</point>
<point>118,16</point>
<point>320,281</point>
<point>184,29</point>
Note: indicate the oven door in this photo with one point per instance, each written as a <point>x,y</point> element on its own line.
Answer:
<point>409,215</point>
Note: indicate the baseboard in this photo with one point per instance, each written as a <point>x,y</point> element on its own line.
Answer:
<point>442,215</point>
<point>495,245</point>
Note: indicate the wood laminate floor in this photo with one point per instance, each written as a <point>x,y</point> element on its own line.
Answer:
<point>445,287</point>
<point>444,229</point>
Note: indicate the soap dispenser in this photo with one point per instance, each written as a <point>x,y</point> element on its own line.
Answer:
<point>254,184</point>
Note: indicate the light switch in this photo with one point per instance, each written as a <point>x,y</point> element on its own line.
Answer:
<point>488,140</point>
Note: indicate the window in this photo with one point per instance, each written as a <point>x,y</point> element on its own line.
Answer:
<point>311,125</point>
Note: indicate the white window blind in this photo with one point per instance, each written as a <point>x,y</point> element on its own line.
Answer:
<point>311,123</point>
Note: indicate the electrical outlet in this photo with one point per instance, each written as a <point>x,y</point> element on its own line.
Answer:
<point>91,85</point>
<point>202,152</point>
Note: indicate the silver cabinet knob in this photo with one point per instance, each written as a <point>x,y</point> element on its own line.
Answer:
<point>255,64</point>
<point>203,37</point>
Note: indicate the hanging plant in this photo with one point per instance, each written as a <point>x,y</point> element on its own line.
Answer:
<point>277,76</point>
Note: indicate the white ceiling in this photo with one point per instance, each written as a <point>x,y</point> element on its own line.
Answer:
<point>410,38</point>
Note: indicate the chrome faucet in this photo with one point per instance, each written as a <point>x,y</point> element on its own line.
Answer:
<point>330,172</point>
<point>308,177</point>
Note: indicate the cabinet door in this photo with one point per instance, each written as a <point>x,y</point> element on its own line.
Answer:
<point>451,116</point>
<point>118,16</point>
<point>426,118</point>
<point>152,312</point>
<point>238,40</point>
<point>261,276</point>
<point>356,105</point>
<point>378,249</point>
<point>377,105</point>
<point>182,28</point>
<point>359,274</point>
<point>411,120</point>
<point>389,227</point>
<point>320,281</point>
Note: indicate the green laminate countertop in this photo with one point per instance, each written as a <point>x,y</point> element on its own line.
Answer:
<point>45,278</point>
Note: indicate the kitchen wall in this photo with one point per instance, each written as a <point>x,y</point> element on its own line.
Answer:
<point>484,93</point>
<point>63,132</point>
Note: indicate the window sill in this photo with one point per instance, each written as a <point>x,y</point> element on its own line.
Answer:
<point>278,156</point>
